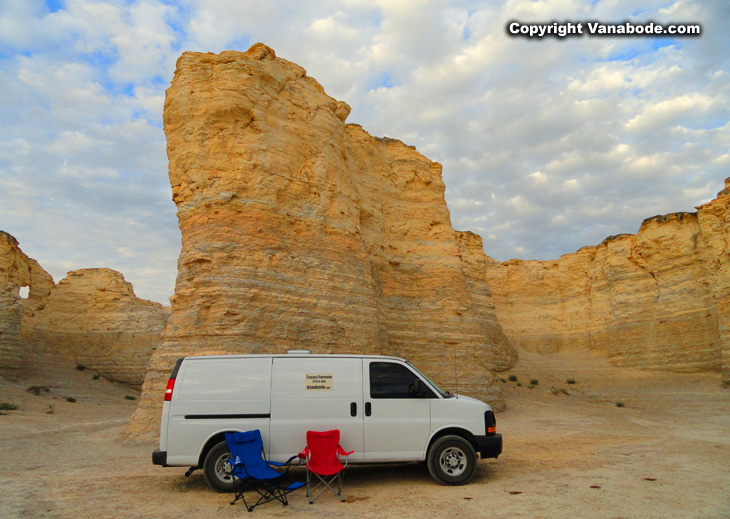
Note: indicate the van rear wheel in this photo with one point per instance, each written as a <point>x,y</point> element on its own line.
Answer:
<point>452,460</point>
<point>217,469</point>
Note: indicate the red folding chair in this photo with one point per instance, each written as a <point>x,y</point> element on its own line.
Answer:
<point>322,459</point>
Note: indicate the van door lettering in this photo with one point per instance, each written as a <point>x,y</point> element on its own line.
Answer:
<point>318,381</point>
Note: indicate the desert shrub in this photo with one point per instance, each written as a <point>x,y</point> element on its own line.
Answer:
<point>96,376</point>
<point>558,391</point>
<point>503,380</point>
<point>619,404</point>
<point>533,382</point>
<point>519,384</point>
<point>130,397</point>
<point>37,390</point>
<point>513,378</point>
<point>80,367</point>
<point>70,399</point>
<point>570,381</point>
<point>7,406</point>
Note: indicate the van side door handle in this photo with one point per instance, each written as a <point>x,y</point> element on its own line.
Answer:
<point>353,409</point>
<point>368,409</point>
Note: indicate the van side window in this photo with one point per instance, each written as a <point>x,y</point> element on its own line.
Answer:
<point>389,380</point>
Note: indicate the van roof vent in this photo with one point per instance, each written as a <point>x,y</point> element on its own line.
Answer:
<point>298,352</point>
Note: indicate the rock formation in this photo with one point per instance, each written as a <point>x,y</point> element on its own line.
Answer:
<point>302,232</point>
<point>474,262</point>
<point>92,318</point>
<point>658,299</point>
<point>17,271</point>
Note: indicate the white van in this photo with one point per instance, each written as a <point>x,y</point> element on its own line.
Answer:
<point>385,408</point>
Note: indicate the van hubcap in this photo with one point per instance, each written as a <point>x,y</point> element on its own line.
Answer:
<point>223,469</point>
<point>453,461</point>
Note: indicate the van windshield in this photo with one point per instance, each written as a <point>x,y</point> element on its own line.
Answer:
<point>444,394</point>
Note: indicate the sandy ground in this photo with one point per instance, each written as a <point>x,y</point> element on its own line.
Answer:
<point>666,453</point>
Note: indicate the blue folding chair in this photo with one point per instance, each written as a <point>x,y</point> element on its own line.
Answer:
<point>251,471</point>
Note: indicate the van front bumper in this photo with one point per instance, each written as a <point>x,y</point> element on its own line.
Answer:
<point>159,457</point>
<point>489,446</point>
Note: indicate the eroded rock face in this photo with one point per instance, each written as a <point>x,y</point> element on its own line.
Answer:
<point>93,317</point>
<point>18,271</point>
<point>302,232</point>
<point>475,264</point>
<point>657,299</point>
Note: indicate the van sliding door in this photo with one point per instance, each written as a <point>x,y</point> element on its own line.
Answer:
<point>318,395</point>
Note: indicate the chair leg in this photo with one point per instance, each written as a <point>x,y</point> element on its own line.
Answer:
<point>238,488</point>
<point>267,493</point>
<point>309,490</point>
<point>327,484</point>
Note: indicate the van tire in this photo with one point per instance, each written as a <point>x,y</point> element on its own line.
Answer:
<point>452,460</point>
<point>217,470</point>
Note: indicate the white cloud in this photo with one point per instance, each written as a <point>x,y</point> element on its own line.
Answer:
<point>668,111</point>
<point>334,30</point>
<point>538,177</point>
<point>144,43</point>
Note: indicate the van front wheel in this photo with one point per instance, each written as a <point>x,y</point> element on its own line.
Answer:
<point>452,460</point>
<point>217,469</point>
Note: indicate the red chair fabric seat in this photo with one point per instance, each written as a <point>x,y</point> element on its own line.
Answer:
<point>322,456</point>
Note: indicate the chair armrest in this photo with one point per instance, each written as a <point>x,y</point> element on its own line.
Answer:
<point>280,464</point>
<point>342,452</point>
<point>304,454</point>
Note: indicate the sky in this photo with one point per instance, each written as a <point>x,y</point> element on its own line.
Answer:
<point>547,144</point>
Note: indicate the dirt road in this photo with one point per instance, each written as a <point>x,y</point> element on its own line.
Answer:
<point>665,453</point>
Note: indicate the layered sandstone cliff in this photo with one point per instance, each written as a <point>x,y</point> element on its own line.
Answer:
<point>657,299</point>
<point>91,318</point>
<point>302,232</point>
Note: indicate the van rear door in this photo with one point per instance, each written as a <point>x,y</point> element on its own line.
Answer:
<point>317,394</point>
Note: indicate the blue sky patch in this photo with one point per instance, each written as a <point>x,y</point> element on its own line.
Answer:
<point>384,79</point>
<point>55,5</point>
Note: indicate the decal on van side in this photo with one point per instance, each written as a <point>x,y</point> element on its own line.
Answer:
<point>318,381</point>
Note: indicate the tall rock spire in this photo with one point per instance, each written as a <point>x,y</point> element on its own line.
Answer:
<point>302,232</point>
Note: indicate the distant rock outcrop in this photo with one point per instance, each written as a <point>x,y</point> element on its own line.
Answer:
<point>91,318</point>
<point>659,299</point>
<point>18,271</point>
<point>302,232</point>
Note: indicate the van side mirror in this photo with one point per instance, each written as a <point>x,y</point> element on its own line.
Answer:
<point>417,389</point>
